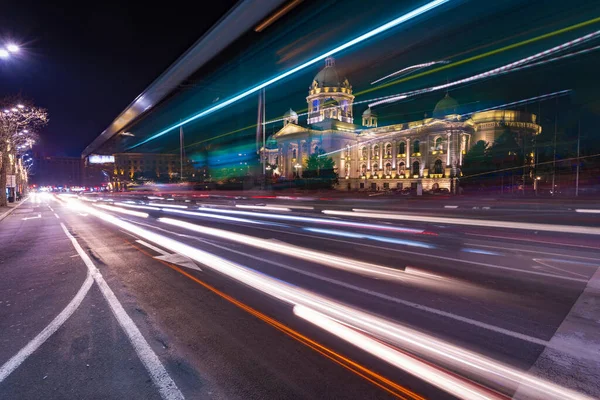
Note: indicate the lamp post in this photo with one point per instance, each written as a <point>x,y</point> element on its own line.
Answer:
<point>9,50</point>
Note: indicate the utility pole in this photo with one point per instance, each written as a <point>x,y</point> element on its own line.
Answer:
<point>554,157</point>
<point>181,153</point>
<point>578,140</point>
<point>264,158</point>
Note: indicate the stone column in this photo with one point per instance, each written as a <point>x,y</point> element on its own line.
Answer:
<point>381,154</point>
<point>407,166</point>
<point>394,154</point>
<point>448,152</point>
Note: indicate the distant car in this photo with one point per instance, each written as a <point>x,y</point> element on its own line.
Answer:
<point>406,191</point>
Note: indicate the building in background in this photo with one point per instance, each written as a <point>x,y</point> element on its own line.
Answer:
<point>428,152</point>
<point>57,171</point>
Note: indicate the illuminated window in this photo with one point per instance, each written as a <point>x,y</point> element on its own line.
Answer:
<point>402,148</point>
<point>315,105</point>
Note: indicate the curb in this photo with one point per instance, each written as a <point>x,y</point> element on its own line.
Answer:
<point>7,213</point>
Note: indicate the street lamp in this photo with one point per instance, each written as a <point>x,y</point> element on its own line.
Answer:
<point>10,48</point>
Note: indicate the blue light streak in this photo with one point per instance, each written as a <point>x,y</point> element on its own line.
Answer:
<point>400,20</point>
<point>371,237</point>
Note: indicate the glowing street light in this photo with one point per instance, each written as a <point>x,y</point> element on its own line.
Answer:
<point>13,48</point>
<point>4,53</point>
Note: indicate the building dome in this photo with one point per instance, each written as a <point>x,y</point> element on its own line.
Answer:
<point>328,76</point>
<point>369,113</point>
<point>271,143</point>
<point>290,113</point>
<point>445,106</point>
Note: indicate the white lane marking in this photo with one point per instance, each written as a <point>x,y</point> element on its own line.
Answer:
<point>421,307</point>
<point>56,215</point>
<point>532,240</point>
<point>175,258</point>
<point>181,260</point>
<point>586,210</point>
<point>36,342</point>
<point>152,247</point>
<point>272,208</point>
<point>450,206</point>
<point>5,214</point>
<point>36,217</point>
<point>535,251</point>
<point>280,206</point>
<point>537,260</point>
<point>166,386</point>
<point>365,213</point>
<point>51,209</point>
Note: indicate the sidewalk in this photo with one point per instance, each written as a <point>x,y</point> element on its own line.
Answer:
<point>5,211</point>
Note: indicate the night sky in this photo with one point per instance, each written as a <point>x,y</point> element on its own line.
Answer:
<point>86,61</point>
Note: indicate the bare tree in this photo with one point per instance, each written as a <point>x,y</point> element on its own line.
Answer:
<point>19,120</point>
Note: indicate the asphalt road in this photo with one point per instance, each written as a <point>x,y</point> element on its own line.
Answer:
<point>224,294</point>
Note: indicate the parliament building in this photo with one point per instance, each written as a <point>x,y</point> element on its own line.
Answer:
<point>369,156</point>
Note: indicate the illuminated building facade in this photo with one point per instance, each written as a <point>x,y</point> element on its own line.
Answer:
<point>368,156</point>
<point>149,165</point>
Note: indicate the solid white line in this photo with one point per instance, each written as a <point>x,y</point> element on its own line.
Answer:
<point>166,386</point>
<point>421,307</point>
<point>362,213</point>
<point>587,210</point>
<point>534,251</point>
<point>450,206</point>
<point>156,249</point>
<point>51,209</point>
<point>36,342</point>
<point>56,215</point>
<point>528,240</point>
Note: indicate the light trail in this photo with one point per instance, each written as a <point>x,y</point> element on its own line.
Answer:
<point>451,65</point>
<point>318,257</point>
<point>294,218</point>
<point>365,213</point>
<point>445,355</point>
<point>483,55</point>
<point>383,28</point>
<point>511,67</point>
<point>410,69</point>
<point>123,211</point>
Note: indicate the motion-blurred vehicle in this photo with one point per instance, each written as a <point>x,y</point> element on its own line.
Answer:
<point>440,191</point>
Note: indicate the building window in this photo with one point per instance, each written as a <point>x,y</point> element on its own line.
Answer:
<point>388,150</point>
<point>315,105</point>
<point>294,153</point>
<point>437,167</point>
<point>401,168</point>
<point>386,185</point>
<point>363,169</point>
<point>363,152</point>
<point>416,147</point>
<point>402,148</point>
<point>388,168</point>
<point>438,143</point>
<point>415,168</point>
<point>376,150</point>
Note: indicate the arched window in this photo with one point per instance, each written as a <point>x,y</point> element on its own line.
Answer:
<point>437,167</point>
<point>315,105</point>
<point>363,152</point>
<point>374,167</point>
<point>401,168</point>
<point>376,150</point>
<point>347,169</point>
<point>388,150</point>
<point>345,105</point>
<point>402,148</point>
<point>438,143</point>
<point>388,168</point>
<point>294,153</point>
<point>415,168</point>
<point>435,186</point>
<point>416,146</point>
<point>363,169</point>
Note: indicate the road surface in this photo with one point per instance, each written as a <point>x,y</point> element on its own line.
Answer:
<point>130,297</point>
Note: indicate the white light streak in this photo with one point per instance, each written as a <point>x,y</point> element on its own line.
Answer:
<point>410,69</point>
